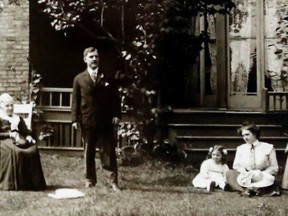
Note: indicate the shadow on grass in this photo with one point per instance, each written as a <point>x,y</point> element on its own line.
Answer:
<point>179,180</point>
<point>175,190</point>
<point>180,184</point>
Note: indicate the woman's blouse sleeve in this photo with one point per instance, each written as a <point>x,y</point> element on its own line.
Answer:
<point>22,127</point>
<point>4,129</point>
<point>226,169</point>
<point>273,168</point>
<point>237,160</point>
<point>4,135</point>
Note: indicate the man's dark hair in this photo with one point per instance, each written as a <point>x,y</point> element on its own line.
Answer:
<point>253,128</point>
<point>88,50</point>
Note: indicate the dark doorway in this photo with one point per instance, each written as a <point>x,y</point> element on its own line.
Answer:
<point>58,55</point>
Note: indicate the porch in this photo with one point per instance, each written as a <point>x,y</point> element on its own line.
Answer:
<point>196,129</point>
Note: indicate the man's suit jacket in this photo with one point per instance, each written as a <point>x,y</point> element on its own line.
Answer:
<point>95,104</point>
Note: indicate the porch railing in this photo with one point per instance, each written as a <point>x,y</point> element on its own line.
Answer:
<point>275,101</point>
<point>55,98</point>
<point>56,106</point>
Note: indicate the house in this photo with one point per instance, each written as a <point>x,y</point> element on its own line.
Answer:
<point>14,46</point>
<point>240,76</point>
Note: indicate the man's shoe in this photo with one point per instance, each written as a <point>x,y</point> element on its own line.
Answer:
<point>89,184</point>
<point>246,193</point>
<point>115,187</point>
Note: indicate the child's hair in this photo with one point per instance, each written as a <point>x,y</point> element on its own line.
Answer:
<point>221,150</point>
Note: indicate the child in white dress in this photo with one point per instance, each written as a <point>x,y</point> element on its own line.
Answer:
<point>213,170</point>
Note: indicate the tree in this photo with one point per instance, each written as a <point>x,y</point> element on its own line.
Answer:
<point>149,36</point>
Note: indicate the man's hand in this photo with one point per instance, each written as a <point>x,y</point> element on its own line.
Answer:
<point>30,139</point>
<point>75,125</point>
<point>115,120</point>
<point>257,175</point>
<point>14,135</point>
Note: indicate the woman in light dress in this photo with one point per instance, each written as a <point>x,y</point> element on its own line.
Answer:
<point>255,165</point>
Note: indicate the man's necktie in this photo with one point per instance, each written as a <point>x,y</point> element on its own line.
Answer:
<point>252,157</point>
<point>94,76</point>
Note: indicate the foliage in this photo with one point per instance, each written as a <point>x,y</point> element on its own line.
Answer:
<point>134,152</point>
<point>46,132</point>
<point>281,46</point>
<point>34,84</point>
<point>161,41</point>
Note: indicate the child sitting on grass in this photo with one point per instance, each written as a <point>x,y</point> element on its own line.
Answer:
<point>213,170</point>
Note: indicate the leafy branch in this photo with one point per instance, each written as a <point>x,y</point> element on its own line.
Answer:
<point>281,47</point>
<point>163,31</point>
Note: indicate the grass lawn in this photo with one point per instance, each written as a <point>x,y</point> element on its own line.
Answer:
<point>153,188</point>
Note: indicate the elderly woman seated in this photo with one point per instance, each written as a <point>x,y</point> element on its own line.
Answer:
<point>20,165</point>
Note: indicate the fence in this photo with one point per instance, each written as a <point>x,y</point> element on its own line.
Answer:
<point>276,101</point>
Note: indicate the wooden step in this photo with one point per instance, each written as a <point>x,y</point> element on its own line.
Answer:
<point>198,130</point>
<point>219,129</point>
<point>229,142</point>
<point>225,117</point>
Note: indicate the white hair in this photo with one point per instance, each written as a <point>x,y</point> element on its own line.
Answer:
<point>5,97</point>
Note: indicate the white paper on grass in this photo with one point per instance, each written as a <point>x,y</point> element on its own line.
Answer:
<point>66,193</point>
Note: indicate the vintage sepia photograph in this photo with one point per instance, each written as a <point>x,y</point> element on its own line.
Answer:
<point>143,107</point>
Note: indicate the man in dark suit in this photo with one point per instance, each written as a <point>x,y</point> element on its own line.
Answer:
<point>96,110</point>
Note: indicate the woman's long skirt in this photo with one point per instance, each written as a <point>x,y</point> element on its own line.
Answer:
<point>285,176</point>
<point>20,168</point>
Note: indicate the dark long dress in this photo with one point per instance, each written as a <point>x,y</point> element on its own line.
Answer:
<point>20,165</point>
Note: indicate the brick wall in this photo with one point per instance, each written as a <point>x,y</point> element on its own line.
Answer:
<point>14,48</point>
